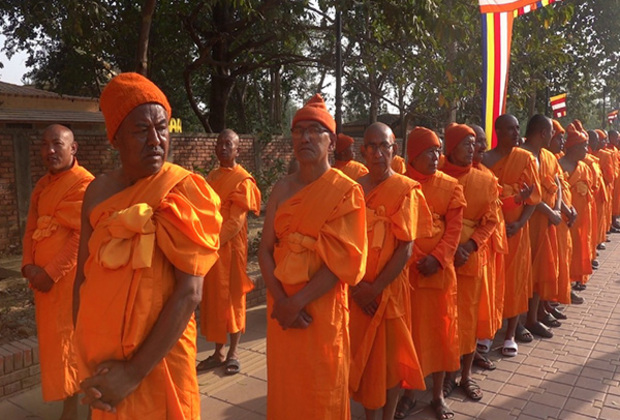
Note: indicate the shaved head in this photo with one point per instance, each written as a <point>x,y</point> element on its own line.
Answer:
<point>58,148</point>
<point>227,148</point>
<point>379,128</point>
<point>226,133</point>
<point>60,131</point>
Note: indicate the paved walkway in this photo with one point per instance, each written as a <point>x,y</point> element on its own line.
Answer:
<point>573,376</point>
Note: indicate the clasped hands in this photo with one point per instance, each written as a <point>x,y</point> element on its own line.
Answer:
<point>112,381</point>
<point>364,294</point>
<point>289,314</point>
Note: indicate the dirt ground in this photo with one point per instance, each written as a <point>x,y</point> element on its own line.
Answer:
<point>17,300</point>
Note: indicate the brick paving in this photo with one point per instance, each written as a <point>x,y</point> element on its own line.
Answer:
<point>573,376</point>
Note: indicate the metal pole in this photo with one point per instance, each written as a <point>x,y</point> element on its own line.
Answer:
<point>338,70</point>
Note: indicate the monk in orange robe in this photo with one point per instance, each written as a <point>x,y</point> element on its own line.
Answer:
<point>432,275</point>
<point>150,233</point>
<point>565,293</point>
<point>613,145</point>
<point>579,177</point>
<point>607,162</point>
<point>479,222</point>
<point>382,351</point>
<point>222,310</point>
<point>516,171</point>
<point>344,156</point>
<point>399,165</point>
<point>313,245</point>
<point>601,197</point>
<point>50,248</point>
<point>542,224</point>
<point>492,297</point>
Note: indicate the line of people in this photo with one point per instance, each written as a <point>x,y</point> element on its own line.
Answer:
<point>373,283</point>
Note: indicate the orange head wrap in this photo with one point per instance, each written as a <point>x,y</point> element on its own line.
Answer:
<point>315,110</point>
<point>455,133</point>
<point>575,134</point>
<point>125,92</point>
<point>419,140</point>
<point>557,127</point>
<point>342,142</point>
<point>601,133</point>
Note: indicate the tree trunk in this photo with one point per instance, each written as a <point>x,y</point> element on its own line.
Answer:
<point>221,86</point>
<point>143,42</point>
<point>374,98</point>
<point>531,105</point>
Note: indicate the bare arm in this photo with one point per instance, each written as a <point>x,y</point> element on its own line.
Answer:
<point>364,294</point>
<point>116,379</point>
<point>83,253</point>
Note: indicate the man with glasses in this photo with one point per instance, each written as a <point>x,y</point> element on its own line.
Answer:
<point>313,245</point>
<point>382,351</point>
<point>222,310</point>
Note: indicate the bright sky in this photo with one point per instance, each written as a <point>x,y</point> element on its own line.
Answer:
<point>14,68</point>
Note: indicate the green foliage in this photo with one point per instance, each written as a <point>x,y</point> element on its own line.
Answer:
<point>268,175</point>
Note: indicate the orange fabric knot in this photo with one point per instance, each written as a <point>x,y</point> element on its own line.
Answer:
<point>582,188</point>
<point>46,226</point>
<point>377,221</point>
<point>438,223</point>
<point>299,243</point>
<point>132,235</point>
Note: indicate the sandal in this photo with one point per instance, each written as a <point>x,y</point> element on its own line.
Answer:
<point>233,366</point>
<point>472,390</point>
<point>557,314</point>
<point>404,407</point>
<point>209,363</point>
<point>448,386</point>
<point>550,321</point>
<point>483,362</point>
<point>523,335</point>
<point>540,330</point>
<point>442,411</point>
<point>484,346</point>
<point>510,349</point>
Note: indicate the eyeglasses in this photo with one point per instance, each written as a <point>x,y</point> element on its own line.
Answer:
<point>313,131</point>
<point>384,147</point>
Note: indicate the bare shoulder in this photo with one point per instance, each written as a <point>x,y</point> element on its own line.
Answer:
<point>100,189</point>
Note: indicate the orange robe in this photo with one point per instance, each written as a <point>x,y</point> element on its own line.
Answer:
<point>479,221</point>
<point>352,168</point>
<point>565,248</point>
<point>433,299</point>
<point>382,350</point>
<point>222,309</point>
<point>543,235</point>
<point>616,190</point>
<point>581,182</point>
<point>308,369</point>
<point>140,235</point>
<point>599,190</point>
<point>399,165</point>
<point>607,162</point>
<point>512,171</point>
<point>51,242</point>
<point>491,305</point>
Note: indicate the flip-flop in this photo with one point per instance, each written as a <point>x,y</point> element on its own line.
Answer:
<point>540,330</point>
<point>523,335</point>
<point>484,362</point>
<point>471,389</point>
<point>233,366</point>
<point>448,386</point>
<point>442,411</point>
<point>484,346</point>
<point>209,363</point>
<point>404,407</point>
<point>557,314</point>
<point>550,321</point>
<point>510,349</point>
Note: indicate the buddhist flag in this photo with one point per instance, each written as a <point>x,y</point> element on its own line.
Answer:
<point>558,105</point>
<point>612,116</point>
<point>497,19</point>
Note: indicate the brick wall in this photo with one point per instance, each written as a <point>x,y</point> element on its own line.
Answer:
<point>19,366</point>
<point>9,224</point>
